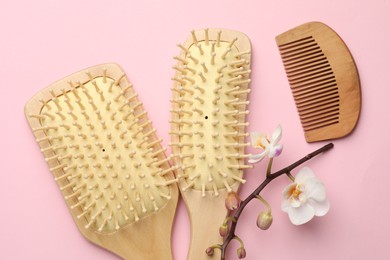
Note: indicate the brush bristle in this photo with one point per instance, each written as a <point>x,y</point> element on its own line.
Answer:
<point>103,152</point>
<point>209,109</point>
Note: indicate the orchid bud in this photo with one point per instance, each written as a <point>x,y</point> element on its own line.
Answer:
<point>232,201</point>
<point>210,251</point>
<point>223,229</point>
<point>241,253</point>
<point>264,220</point>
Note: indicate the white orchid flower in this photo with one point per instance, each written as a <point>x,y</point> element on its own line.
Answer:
<point>305,198</point>
<point>270,148</point>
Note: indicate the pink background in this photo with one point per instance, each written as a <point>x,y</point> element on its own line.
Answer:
<point>42,41</point>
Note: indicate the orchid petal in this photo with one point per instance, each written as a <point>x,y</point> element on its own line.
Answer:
<point>277,135</point>
<point>321,207</point>
<point>275,151</point>
<point>304,174</point>
<point>254,158</point>
<point>301,215</point>
<point>315,189</point>
<point>255,136</point>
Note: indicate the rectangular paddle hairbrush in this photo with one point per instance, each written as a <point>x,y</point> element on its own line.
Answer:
<point>210,95</point>
<point>107,161</point>
<point>323,78</point>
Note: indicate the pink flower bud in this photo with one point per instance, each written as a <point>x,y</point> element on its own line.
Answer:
<point>241,253</point>
<point>232,201</point>
<point>210,251</point>
<point>264,220</point>
<point>223,229</point>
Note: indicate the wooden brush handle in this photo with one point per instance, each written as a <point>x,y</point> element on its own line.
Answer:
<point>205,226</point>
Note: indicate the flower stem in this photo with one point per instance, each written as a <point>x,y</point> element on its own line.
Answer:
<point>264,202</point>
<point>269,166</point>
<point>270,177</point>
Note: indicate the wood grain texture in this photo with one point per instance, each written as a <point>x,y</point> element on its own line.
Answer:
<point>323,78</point>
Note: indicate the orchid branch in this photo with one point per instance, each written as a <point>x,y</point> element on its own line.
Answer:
<point>269,177</point>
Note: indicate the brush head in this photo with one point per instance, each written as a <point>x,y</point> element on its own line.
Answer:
<point>101,148</point>
<point>209,108</point>
<point>323,78</point>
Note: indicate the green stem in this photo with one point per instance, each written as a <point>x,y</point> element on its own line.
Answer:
<point>269,166</point>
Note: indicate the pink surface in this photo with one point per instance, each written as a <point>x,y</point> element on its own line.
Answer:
<point>42,41</point>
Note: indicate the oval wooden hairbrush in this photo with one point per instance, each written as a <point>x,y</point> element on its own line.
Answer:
<point>107,161</point>
<point>210,96</point>
<point>323,78</point>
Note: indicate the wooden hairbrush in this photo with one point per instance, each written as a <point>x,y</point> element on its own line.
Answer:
<point>323,78</point>
<point>210,96</point>
<point>107,161</point>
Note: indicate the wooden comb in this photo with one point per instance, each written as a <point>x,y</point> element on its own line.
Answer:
<point>209,108</point>
<point>107,161</point>
<point>323,78</point>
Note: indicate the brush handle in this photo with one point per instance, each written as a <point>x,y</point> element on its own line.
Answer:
<point>206,216</point>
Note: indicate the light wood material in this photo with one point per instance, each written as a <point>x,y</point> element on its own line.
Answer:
<point>210,94</point>
<point>107,161</point>
<point>323,78</point>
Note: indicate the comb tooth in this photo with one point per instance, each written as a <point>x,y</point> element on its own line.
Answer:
<point>220,70</point>
<point>194,37</point>
<point>237,145</point>
<point>166,183</point>
<point>150,132</point>
<point>128,114</point>
<point>206,36</point>
<point>215,189</point>
<point>235,70</point>
<point>45,104</point>
<point>69,185</point>
<point>240,103</point>
<point>190,185</point>
<point>203,190</point>
<point>239,156</point>
<point>154,143</point>
<point>199,99</point>
<point>218,43</point>
<point>199,88</point>
<point>60,115</point>
<point>117,82</point>
<point>195,60</point>
<point>180,70</point>
<point>190,69</point>
<point>200,49</point>
<point>236,93</point>
<point>205,69</point>
<point>165,196</point>
<point>161,151</point>
<point>231,101</point>
<point>217,79</point>
<point>183,48</point>
<point>37,116</point>
<point>227,186</point>
<point>202,76</point>
<point>228,49</point>
<point>145,124</point>
<point>181,60</point>
<point>188,79</point>
<point>200,112</point>
<point>180,144</point>
<point>239,166</point>
<point>234,177</point>
<point>238,55</point>
<point>72,195</point>
<point>144,140</point>
<point>217,89</point>
<point>231,123</point>
<point>111,86</point>
<point>212,61</point>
